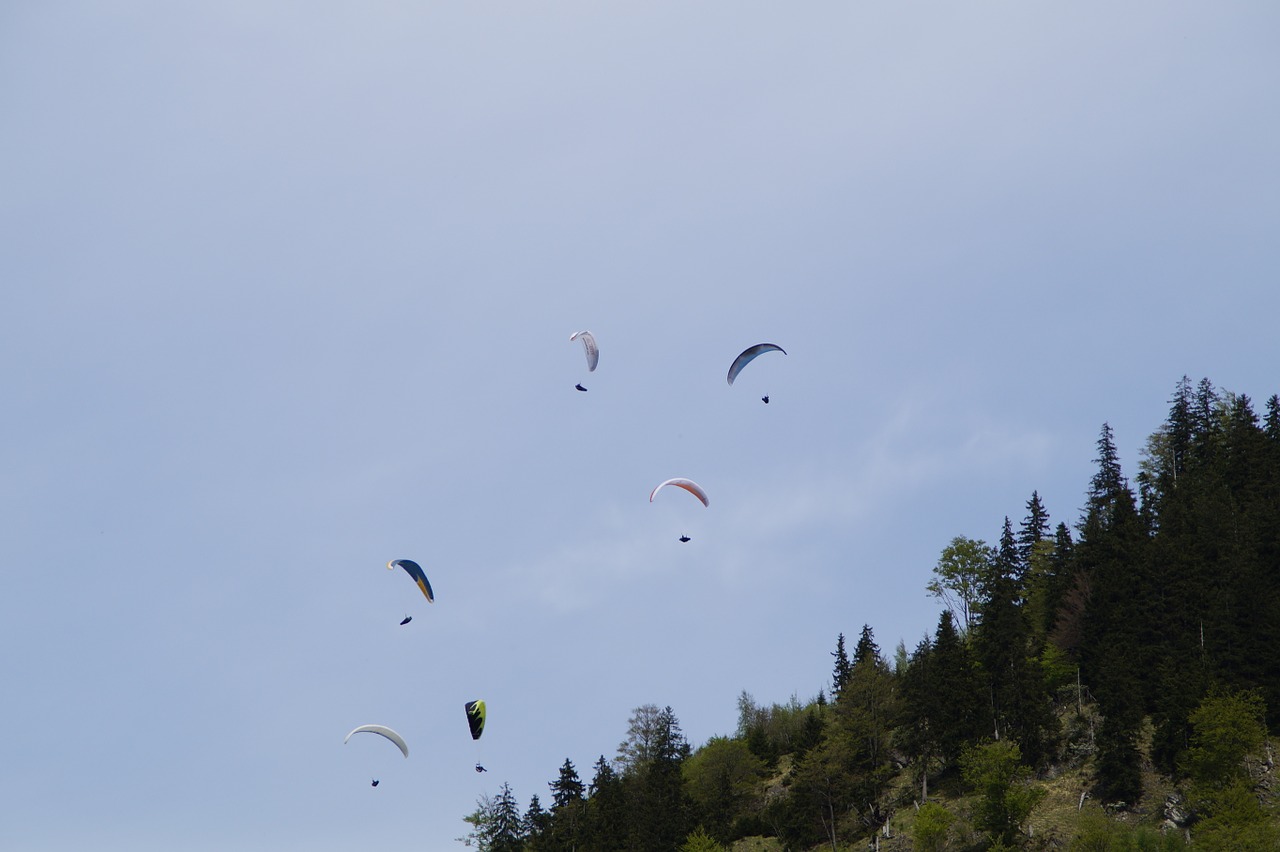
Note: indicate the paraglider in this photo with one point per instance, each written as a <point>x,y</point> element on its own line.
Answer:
<point>383,731</point>
<point>579,387</point>
<point>589,346</point>
<point>475,718</point>
<point>685,538</point>
<point>480,768</point>
<point>688,485</point>
<point>375,782</point>
<point>765,399</point>
<point>748,355</point>
<point>406,620</point>
<point>414,570</point>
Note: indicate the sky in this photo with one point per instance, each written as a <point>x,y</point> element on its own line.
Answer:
<point>287,293</point>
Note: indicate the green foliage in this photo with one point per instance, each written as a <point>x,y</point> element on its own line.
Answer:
<point>996,772</point>
<point>1095,832</point>
<point>724,779</point>
<point>564,828</point>
<point>1233,820</point>
<point>932,827</point>
<point>605,821</point>
<point>959,576</point>
<point>842,667</point>
<point>700,841</point>
<point>1121,632</point>
<point>1002,642</point>
<point>776,729</point>
<point>658,807</point>
<point>496,823</point>
<point>1056,668</point>
<point>823,790</point>
<point>1227,727</point>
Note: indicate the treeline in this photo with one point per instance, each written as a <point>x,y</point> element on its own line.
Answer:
<point>1149,631</point>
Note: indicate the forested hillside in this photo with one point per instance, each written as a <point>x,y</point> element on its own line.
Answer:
<point>1108,684</point>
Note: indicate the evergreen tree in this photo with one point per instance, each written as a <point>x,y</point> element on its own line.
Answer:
<point>957,705</point>
<point>496,823</point>
<point>657,806</point>
<point>1118,641</point>
<point>823,790</point>
<point>1033,530</point>
<point>867,651</point>
<point>842,666</point>
<point>864,717</point>
<point>1058,582</point>
<point>1272,419</point>
<point>605,823</point>
<point>917,735</point>
<point>567,808</point>
<point>536,828</point>
<point>1019,701</point>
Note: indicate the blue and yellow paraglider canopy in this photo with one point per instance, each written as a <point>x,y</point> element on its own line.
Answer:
<point>414,570</point>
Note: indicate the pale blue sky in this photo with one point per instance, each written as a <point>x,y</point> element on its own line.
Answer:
<point>288,290</point>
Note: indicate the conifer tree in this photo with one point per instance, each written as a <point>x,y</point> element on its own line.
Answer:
<point>1033,530</point>
<point>605,823</point>
<point>917,735</point>
<point>864,716</point>
<point>1118,641</point>
<point>567,807</point>
<point>1059,582</point>
<point>657,806</point>
<point>842,666</point>
<point>536,828</point>
<point>1019,701</point>
<point>867,651</point>
<point>957,704</point>
<point>496,823</point>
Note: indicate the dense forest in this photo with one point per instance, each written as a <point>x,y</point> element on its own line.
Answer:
<point>1102,686</point>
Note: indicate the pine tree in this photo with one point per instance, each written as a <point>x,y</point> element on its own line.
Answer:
<point>842,667</point>
<point>863,720</point>
<point>1019,701</point>
<point>867,651</point>
<point>496,823</point>
<point>536,827</point>
<point>917,735</point>
<point>605,824</point>
<point>1118,641</point>
<point>957,706</point>
<point>1060,626</point>
<point>567,807</point>
<point>1033,530</point>
<point>657,806</point>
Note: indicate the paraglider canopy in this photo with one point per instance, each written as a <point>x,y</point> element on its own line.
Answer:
<point>748,355</point>
<point>475,718</point>
<point>414,570</point>
<point>383,731</point>
<point>687,484</point>
<point>589,345</point>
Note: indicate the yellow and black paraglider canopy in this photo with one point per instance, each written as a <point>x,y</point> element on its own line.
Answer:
<point>475,718</point>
